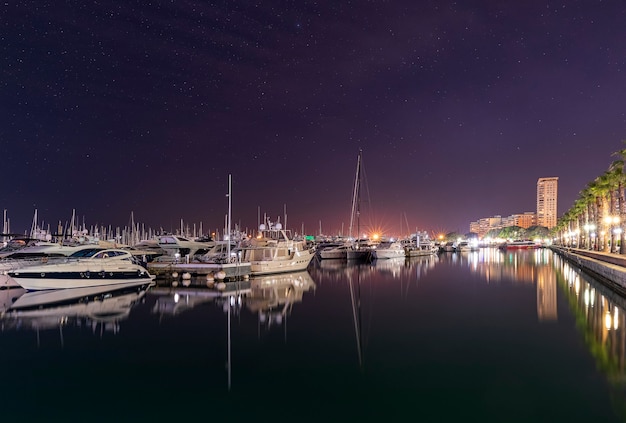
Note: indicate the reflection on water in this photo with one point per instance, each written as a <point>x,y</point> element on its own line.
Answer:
<point>599,316</point>
<point>270,298</point>
<point>526,266</point>
<point>599,311</point>
<point>98,308</point>
<point>489,336</point>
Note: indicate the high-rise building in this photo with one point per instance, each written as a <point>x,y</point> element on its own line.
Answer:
<point>547,192</point>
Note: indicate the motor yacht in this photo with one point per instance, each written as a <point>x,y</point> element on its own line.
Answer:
<point>178,249</point>
<point>275,251</point>
<point>96,267</point>
<point>390,250</point>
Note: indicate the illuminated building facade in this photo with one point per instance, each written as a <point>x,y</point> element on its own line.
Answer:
<point>484,225</point>
<point>547,192</point>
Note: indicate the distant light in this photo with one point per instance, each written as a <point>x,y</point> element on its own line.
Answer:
<point>607,320</point>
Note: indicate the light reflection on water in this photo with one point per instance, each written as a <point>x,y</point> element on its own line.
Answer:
<point>492,335</point>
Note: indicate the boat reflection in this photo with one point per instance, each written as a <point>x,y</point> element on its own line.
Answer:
<point>272,297</point>
<point>409,267</point>
<point>98,308</point>
<point>8,297</point>
<point>171,301</point>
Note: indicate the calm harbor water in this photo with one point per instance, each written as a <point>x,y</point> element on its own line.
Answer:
<point>485,336</point>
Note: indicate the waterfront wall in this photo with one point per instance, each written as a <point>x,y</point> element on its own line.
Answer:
<point>609,268</point>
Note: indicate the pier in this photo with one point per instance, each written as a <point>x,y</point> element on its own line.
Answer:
<point>226,271</point>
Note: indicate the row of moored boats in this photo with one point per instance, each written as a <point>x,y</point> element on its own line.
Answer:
<point>42,265</point>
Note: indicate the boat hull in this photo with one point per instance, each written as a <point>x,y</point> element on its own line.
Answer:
<point>35,282</point>
<point>388,254</point>
<point>362,254</point>
<point>298,263</point>
<point>7,281</point>
<point>333,254</point>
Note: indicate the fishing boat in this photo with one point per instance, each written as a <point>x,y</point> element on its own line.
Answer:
<point>97,267</point>
<point>275,251</point>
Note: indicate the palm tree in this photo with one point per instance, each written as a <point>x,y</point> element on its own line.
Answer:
<point>617,167</point>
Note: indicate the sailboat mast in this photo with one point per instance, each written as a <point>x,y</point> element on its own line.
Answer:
<point>229,210</point>
<point>356,197</point>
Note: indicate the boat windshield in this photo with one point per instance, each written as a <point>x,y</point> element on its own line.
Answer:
<point>87,252</point>
<point>109,253</point>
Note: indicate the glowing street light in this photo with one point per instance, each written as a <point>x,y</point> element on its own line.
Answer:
<point>610,221</point>
<point>589,230</point>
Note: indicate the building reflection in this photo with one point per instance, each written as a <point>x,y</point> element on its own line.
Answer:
<point>526,267</point>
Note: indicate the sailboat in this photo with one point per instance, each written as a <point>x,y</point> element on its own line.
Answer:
<point>358,250</point>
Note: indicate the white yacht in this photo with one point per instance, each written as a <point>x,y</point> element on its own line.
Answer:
<point>179,249</point>
<point>390,250</point>
<point>38,254</point>
<point>275,251</point>
<point>97,267</point>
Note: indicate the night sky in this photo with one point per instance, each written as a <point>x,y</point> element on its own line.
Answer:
<point>119,107</point>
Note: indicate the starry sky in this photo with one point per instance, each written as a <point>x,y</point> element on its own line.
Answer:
<point>116,107</point>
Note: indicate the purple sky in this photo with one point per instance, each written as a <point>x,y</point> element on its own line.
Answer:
<point>116,107</point>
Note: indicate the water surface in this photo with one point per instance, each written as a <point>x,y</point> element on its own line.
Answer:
<point>483,336</point>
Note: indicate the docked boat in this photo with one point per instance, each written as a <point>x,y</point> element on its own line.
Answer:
<point>519,244</point>
<point>387,251</point>
<point>275,251</point>
<point>97,267</point>
<point>37,254</point>
<point>420,247</point>
<point>360,252</point>
<point>179,249</point>
<point>335,252</point>
<point>467,246</point>
<point>449,247</point>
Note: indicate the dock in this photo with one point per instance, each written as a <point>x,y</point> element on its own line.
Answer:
<point>226,271</point>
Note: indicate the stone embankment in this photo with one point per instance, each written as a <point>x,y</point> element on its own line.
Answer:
<point>609,268</point>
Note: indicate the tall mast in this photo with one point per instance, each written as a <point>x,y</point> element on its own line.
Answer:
<point>229,210</point>
<point>356,197</point>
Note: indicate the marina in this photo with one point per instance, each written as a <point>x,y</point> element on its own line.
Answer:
<point>458,335</point>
